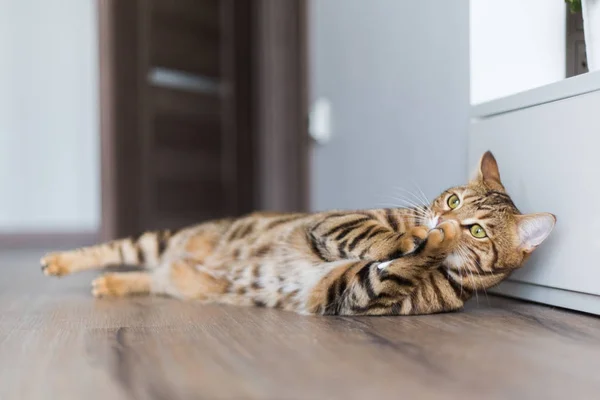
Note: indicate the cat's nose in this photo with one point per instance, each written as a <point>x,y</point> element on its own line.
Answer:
<point>442,219</point>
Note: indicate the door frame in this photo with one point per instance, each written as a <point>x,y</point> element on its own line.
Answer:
<point>119,120</point>
<point>281,36</point>
<point>271,33</point>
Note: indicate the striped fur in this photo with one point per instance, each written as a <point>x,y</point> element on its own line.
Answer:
<point>403,261</point>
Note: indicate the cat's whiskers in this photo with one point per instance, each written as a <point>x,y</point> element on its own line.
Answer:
<point>467,274</point>
<point>461,282</point>
<point>420,214</point>
<point>415,196</point>
<point>474,283</point>
<point>412,200</point>
<point>478,264</point>
<point>420,200</point>
<point>459,271</point>
<point>422,194</point>
<point>407,209</point>
<point>423,216</point>
<point>479,268</point>
<point>463,256</point>
<point>418,210</point>
<point>409,202</point>
<point>471,259</point>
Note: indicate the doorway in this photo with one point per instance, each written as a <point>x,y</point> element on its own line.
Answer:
<point>203,111</point>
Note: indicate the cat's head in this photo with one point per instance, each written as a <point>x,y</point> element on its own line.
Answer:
<point>495,235</point>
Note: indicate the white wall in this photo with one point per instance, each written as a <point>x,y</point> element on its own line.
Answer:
<point>516,45</point>
<point>397,75</point>
<point>49,144</point>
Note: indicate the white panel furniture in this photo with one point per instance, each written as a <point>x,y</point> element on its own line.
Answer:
<point>547,143</point>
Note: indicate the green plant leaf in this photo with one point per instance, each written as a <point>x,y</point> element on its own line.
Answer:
<point>574,6</point>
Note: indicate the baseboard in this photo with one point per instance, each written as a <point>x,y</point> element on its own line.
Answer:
<point>47,240</point>
<point>578,301</point>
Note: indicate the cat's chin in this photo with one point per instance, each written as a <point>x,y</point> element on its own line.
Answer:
<point>454,261</point>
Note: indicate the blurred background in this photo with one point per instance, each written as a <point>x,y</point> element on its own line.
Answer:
<point>118,116</point>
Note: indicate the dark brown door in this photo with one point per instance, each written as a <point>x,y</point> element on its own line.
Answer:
<point>176,114</point>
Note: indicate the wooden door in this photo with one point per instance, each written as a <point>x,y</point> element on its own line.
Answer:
<point>175,87</point>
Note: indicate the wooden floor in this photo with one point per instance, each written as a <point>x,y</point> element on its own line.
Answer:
<point>57,342</point>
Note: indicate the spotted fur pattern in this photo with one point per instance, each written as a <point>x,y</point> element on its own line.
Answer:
<point>396,261</point>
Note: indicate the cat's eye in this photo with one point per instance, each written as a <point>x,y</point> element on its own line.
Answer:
<point>478,232</point>
<point>453,201</point>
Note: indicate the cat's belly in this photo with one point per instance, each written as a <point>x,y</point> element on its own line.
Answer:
<point>277,282</point>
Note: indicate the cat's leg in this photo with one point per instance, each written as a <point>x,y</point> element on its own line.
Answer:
<point>121,284</point>
<point>147,250</point>
<point>366,236</point>
<point>183,279</point>
<point>408,285</point>
<point>187,279</point>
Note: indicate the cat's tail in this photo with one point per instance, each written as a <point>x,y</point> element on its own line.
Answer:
<point>145,250</point>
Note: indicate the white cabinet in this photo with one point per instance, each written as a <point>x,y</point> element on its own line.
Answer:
<point>547,143</point>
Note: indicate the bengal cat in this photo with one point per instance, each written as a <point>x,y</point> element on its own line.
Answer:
<point>396,261</point>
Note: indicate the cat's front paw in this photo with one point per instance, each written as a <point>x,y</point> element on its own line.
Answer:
<point>442,239</point>
<point>56,264</point>
<point>412,239</point>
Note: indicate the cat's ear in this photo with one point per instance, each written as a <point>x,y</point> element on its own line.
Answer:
<point>488,169</point>
<point>533,229</point>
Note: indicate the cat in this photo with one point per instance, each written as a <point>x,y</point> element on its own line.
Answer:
<point>395,261</point>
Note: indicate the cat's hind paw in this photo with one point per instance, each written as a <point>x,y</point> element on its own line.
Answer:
<point>121,284</point>
<point>56,264</point>
<point>108,286</point>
